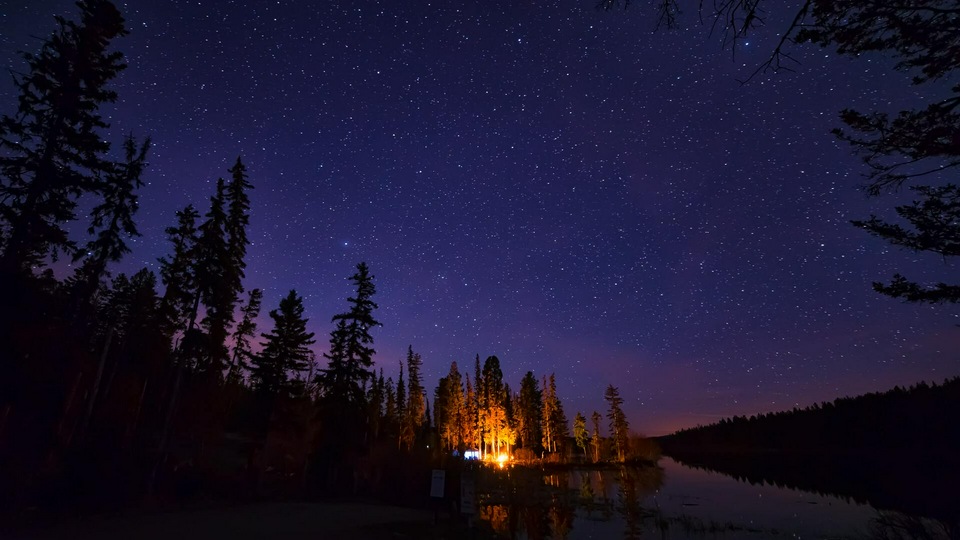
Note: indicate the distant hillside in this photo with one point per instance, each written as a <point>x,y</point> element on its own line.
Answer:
<point>922,418</point>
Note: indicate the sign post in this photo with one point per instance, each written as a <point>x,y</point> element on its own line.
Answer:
<point>437,480</point>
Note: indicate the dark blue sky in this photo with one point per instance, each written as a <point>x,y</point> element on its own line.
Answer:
<point>558,186</point>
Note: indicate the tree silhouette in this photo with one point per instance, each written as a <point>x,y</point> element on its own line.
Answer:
<point>580,431</point>
<point>478,404</point>
<point>595,439</point>
<point>401,408</point>
<point>238,218</point>
<point>242,334</point>
<point>390,422</point>
<point>178,272</point>
<point>286,349</point>
<point>619,427</point>
<point>530,413</point>
<point>448,409</point>
<point>112,218</point>
<point>131,320</point>
<point>492,412</point>
<point>351,355</point>
<point>413,419</point>
<point>905,419</point>
<point>376,398</point>
<point>554,419</point>
<point>916,142</point>
<point>935,221</point>
<point>214,271</point>
<point>52,149</point>
<point>471,417</point>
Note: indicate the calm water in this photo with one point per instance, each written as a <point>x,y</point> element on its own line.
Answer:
<point>677,502</point>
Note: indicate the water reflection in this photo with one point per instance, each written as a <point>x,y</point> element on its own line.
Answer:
<point>677,502</point>
<point>629,507</point>
<point>532,504</point>
<point>916,484</point>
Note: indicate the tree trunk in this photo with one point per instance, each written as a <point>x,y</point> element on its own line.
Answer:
<point>85,423</point>
<point>132,429</point>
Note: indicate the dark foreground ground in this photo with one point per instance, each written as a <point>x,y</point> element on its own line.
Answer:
<point>333,521</point>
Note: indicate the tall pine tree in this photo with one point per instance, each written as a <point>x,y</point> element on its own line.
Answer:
<point>238,218</point>
<point>350,358</point>
<point>242,334</point>
<point>286,350</point>
<point>112,219</point>
<point>580,431</point>
<point>530,413</point>
<point>554,419</point>
<point>470,413</point>
<point>619,427</point>
<point>492,411</point>
<point>214,271</point>
<point>178,273</point>
<point>52,150</point>
<point>416,400</point>
<point>595,439</point>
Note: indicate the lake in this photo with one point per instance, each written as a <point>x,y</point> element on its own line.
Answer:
<point>676,501</point>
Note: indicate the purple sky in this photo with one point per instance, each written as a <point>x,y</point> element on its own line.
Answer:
<point>558,186</point>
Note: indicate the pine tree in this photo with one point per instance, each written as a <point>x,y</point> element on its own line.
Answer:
<point>478,405</point>
<point>492,411</point>
<point>416,399</point>
<point>914,143</point>
<point>238,218</point>
<point>112,218</point>
<point>595,439</point>
<point>427,421</point>
<point>51,150</point>
<point>351,355</point>
<point>285,349</point>
<point>440,412</point>
<point>508,406</point>
<point>580,431</point>
<point>935,228</point>
<point>470,417</point>
<point>448,409</point>
<point>554,419</point>
<point>140,342</point>
<point>389,407</point>
<point>401,398</point>
<point>214,272</point>
<point>178,273</point>
<point>456,409</point>
<point>560,425</point>
<point>243,333</point>
<point>619,427</point>
<point>179,308</point>
<point>508,431</point>
<point>131,339</point>
<point>131,308</point>
<point>375,404</point>
<point>530,413</point>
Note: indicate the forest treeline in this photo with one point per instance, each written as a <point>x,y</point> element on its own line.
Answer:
<point>530,424</point>
<point>895,450</point>
<point>162,384</point>
<point>904,420</point>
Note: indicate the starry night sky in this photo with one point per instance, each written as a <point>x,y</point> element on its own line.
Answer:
<point>556,185</point>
